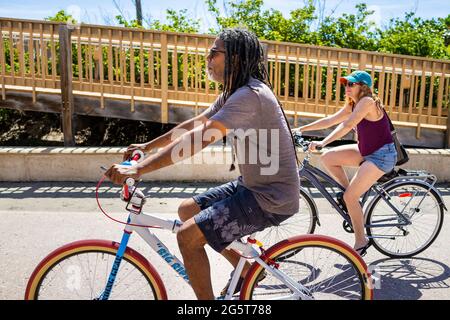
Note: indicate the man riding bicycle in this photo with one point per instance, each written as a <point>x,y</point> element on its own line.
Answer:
<point>265,194</point>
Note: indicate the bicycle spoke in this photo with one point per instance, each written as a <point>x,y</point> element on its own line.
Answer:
<point>57,283</point>
<point>420,207</point>
<point>325,273</point>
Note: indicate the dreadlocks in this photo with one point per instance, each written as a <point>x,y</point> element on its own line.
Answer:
<point>244,58</point>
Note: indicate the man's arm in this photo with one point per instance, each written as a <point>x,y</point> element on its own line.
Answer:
<point>168,137</point>
<point>181,148</point>
<point>184,146</point>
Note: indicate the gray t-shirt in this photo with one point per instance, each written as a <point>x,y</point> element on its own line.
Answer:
<point>263,146</point>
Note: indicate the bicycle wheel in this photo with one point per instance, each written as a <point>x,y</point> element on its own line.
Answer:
<point>80,270</point>
<point>302,222</point>
<point>326,267</point>
<point>420,206</point>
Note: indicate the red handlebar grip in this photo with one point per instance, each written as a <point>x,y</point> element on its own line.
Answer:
<point>126,193</point>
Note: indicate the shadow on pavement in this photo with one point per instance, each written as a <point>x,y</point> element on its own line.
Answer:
<point>23,190</point>
<point>405,279</point>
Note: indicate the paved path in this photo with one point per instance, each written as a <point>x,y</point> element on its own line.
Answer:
<point>36,218</point>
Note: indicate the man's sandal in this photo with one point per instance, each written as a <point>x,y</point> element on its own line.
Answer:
<point>261,277</point>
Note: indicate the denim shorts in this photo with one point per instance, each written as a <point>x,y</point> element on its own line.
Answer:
<point>229,212</point>
<point>384,158</point>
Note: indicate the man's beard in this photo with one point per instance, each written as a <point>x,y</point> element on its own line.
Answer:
<point>211,76</point>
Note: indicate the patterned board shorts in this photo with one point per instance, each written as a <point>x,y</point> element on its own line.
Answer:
<point>229,212</point>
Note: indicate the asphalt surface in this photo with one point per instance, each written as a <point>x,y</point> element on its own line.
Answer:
<point>37,218</point>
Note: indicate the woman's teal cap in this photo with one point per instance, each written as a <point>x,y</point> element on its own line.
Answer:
<point>358,76</point>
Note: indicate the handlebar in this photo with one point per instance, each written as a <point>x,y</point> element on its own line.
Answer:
<point>134,197</point>
<point>136,156</point>
<point>299,141</point>
<point>129,193</point>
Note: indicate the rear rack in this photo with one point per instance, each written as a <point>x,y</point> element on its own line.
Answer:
<point>408,175</point>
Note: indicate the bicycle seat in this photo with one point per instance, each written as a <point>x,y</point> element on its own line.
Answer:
<point>388,176</point>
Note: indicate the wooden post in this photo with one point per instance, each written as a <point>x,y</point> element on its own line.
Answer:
<point>67,104</point>
<point>362,61</point>
<point>2,64</point>
<point>265,48</point>
<point>447,132</point>
<point>164,79</point>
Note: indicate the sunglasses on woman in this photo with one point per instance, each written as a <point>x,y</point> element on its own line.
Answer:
<point>351,84</point>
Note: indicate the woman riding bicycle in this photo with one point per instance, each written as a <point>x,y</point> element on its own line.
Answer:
<point>374,153</point>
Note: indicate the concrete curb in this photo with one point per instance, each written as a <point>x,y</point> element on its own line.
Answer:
<point>211,164</point>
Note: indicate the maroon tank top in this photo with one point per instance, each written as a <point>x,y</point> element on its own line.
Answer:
<point>372,135</point>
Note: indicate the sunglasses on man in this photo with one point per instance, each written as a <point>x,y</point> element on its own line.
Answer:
<point>214,52</point>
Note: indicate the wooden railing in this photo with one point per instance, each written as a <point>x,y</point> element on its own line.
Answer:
<point>168,69</point>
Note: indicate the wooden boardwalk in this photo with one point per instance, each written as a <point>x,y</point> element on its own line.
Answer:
<point>160,76</point>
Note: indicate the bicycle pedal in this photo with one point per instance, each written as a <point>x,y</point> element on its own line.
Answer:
<point>340,201</point>
<point>347,227</point>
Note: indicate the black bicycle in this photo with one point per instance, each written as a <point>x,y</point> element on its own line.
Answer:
<point>403,211</point>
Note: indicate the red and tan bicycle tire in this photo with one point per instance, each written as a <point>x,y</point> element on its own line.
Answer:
<point>88,246</point>
<point>309,240</point>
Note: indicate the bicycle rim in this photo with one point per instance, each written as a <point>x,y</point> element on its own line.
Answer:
<point>326,267</point>
<point>81,273</point>
<point>426,220</point>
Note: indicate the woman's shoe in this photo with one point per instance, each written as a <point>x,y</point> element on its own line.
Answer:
<point>340,200</point>
<point>363,250</point>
